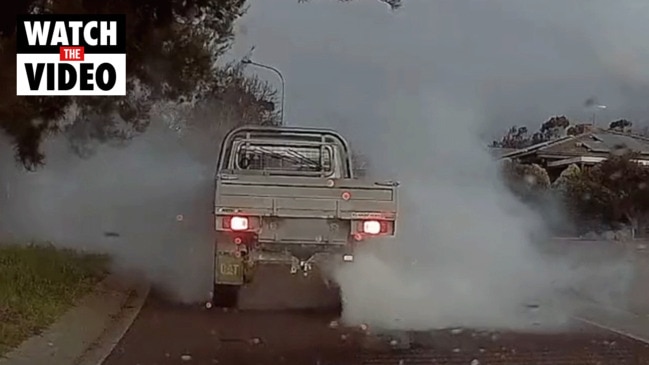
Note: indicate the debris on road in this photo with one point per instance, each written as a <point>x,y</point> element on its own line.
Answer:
<point>190,329</point>
<point>186,357</point>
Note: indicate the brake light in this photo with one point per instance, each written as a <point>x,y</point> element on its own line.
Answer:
<point>237,223</point>
<point>372,227</point>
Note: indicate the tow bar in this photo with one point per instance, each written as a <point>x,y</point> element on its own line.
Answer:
<point>300,265</point>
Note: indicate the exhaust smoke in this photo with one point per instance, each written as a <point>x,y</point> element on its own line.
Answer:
<point>421,92</point>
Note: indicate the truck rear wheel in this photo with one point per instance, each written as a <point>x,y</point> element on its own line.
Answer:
<point>225,296</point>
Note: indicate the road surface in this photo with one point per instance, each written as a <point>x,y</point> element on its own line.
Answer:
<point>169,334</point>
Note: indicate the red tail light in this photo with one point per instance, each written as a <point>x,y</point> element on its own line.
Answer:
<point>236,223</point>
<point>374,227</point>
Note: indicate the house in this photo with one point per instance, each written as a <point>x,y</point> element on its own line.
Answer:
<point>586,149</point>
<point>499,152</point>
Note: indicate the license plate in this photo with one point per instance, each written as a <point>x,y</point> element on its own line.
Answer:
<point>230,269</point>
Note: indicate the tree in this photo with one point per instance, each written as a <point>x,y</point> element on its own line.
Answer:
<point>528,182</point>
<point>578,129</point>
<point>519,137</point>
<point>173,47</point>
<point>568,198</point>
<point>615,190</point>
<point>234,100</point>
<point>554,127</point>
<point>516,137</point>
<point>171,50</point>
<point>621,125</point>
<point>562,182</point>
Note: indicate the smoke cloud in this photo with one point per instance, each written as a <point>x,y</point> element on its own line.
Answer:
<point>467,252</point>
<point>148,205</point>
<point>417,91</point>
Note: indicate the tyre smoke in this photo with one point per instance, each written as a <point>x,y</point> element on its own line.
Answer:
<point>421,92</point>
<point>467,252</point>
<point>148,205</point>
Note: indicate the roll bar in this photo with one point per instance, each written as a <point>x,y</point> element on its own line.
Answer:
<point>296,133</point>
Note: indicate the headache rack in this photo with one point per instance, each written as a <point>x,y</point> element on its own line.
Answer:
<point>282,137</point>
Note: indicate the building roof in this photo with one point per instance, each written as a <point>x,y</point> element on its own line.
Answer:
<point>498,152</point>
<point>595,143</point>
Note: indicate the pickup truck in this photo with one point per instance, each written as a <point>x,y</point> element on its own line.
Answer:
<point>287,195</point>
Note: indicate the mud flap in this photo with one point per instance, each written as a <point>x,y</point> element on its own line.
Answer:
<point>229,269</point>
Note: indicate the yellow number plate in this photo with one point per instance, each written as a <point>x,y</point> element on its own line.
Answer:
<point>230,269</point>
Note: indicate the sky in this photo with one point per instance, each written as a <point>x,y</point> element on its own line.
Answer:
<point>519,62</point>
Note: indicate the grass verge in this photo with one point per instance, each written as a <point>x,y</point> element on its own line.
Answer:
<point>38,284</point>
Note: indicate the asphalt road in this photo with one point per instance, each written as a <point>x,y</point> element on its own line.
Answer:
<point>170,334</point>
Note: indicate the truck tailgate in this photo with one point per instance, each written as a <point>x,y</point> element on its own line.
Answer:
<point>302,198</point>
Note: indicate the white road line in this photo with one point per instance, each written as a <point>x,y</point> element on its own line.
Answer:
<point>614,329</point>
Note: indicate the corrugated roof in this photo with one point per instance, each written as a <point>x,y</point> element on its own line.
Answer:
<point>606,141</point>
<point>537,147</point>
<point>593,143</point>
<point>499,152</point>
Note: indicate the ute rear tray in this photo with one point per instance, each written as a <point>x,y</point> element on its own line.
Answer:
<point>283,197</point>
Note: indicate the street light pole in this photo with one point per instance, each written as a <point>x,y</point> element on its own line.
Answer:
<point>597,107</point>
<point>248,61</point>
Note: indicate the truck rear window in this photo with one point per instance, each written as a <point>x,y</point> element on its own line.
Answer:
<point>284,158</point>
